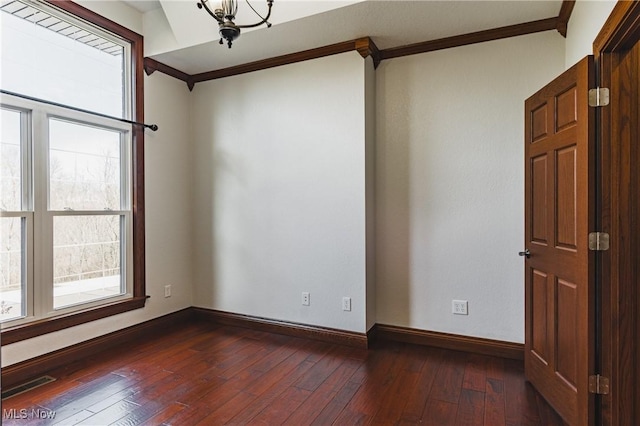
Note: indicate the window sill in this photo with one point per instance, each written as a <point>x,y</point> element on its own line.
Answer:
<point>49,325</point>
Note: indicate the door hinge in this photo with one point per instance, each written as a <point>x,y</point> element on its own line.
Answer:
<point>599,385</point>
<point>598,241</point>
<point>598,97</point>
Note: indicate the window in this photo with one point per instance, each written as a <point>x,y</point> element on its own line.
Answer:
<point>15,220</point>
<point>66,234</point>
<point>72,187</point>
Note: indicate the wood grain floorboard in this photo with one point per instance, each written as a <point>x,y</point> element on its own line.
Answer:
<point>450,377</point>
<point>420,391</point>
<point>520,397</point>
<point>399,381</point>
<point>471,408</point>
<point>440,413</point>
<point>475,373</point>
<point>494,403</point>
<point>209,375</point>
<point>332,410</point>
<point>365,403</point>
<point>326,393</point>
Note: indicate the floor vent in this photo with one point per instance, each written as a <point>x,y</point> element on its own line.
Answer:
<point>27,386</point>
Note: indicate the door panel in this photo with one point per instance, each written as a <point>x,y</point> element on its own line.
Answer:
<point>566,302</point>
<point>539,336</point>
<point>539,195</point>
<point>559,321</point>
<point>566,109</point>
<point>539,123</point>
<point>566,198</point>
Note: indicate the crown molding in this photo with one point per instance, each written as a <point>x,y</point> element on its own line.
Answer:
<point>471,38</point>
<point>151,66</point>
<point>366,47</point>
<point>564,16</point>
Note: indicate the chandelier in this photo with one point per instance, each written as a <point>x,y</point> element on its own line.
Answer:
<point>225,14</point>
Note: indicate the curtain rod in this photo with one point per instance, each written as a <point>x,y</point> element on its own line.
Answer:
<point>153,127</point>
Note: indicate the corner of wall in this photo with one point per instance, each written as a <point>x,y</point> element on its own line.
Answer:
<point>370,188</point>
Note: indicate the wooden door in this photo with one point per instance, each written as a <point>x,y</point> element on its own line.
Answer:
<point>559,213</point>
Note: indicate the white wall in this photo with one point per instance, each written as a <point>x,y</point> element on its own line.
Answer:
<point>278,171</point>
<point>585,23</point>
<point>117,11</point>
<point>450,179</point>
<point>168,205</point>
<point>279,157</point>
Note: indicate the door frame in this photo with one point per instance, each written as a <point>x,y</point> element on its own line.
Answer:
<point>617,269</point>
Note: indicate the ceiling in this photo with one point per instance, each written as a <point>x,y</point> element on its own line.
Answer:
<point>144,5</point>
<point>389,24</point>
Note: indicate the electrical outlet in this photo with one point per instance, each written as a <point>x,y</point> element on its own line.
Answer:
<point>346,303</point>
<point>460,307</point>
<point>306,298</point>
<point>167,290</point>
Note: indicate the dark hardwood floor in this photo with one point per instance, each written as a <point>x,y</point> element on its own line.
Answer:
<point>205,374</point>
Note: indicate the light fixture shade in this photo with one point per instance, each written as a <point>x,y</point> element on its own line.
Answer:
<point>229,9</point>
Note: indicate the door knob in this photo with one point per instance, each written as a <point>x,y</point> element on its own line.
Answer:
<point>526,253</point>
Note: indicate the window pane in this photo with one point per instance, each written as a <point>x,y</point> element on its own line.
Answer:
<point>86,259</point>
<point>12,259</point>
<point>57,60</point>
<point>10,164</point>
<point>84,167</point>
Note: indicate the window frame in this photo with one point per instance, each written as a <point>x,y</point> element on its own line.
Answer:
<point>25,211</point>
<point>13,334</point>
